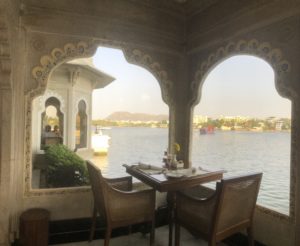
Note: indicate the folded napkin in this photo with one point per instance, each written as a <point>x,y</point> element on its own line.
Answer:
<point>150,169</point>
<point>187,172</point>
<point>148,166</point>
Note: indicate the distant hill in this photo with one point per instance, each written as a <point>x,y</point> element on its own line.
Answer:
<point>118,116</point>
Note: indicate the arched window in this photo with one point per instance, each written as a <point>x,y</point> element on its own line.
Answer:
<point>251,125</point>
<point>133,115</point>
<point>81,126</point>
<point>52,123</point>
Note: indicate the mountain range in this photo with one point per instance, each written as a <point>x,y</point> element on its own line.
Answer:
<point>119,116</point>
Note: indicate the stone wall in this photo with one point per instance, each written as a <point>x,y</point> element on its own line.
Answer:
<point>51,35</point>
<point>178,44</point>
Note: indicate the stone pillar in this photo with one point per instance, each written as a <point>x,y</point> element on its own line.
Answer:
<point>6,133</point>
<point>70,116</point>
<point>181,113</point>
<point>295,168</point>
<point>183,117</point>
<point>5,164</point>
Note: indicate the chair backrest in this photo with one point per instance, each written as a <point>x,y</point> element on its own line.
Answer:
<point>236,204</point>
<point>99,188</point>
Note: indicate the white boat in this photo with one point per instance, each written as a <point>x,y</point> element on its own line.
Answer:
<point>100,143</point>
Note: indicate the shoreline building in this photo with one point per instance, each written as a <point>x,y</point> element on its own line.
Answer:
<point>66,106</point>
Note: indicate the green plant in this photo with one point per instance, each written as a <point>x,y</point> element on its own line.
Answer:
<point>65,168</point>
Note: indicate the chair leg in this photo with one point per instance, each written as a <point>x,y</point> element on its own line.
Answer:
<point>171,198</point>
<point>212,242</point>
<point>107,236</point>
<point>250,236</point>
<point>152,233</point>
<point>93,224</point>
<point>177,234</point>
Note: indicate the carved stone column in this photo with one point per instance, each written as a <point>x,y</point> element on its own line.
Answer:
<point>181,113</point>
<point>182,119</point>
<point>5,130</point>
<point>295,168</point>
<point>168,72</point>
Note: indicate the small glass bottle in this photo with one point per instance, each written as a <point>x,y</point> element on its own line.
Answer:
<point>174,162</point>
<point>165,160</point>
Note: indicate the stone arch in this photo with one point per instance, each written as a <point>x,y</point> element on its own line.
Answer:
<point>58,56</point>
<point>282,69</point>
<point>83,49</point>
<point>42,101</point>
<point>49,94</point>
<point>41,74</point>
<point>273,56</point>
<point>85,100</point>
<point>46,131</point>
<point>70,51</point>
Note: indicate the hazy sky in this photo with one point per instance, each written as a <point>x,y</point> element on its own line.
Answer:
<point>135,89</point>
<point>241,85</point>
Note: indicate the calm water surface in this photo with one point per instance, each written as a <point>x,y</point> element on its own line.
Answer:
<point>237,152</point>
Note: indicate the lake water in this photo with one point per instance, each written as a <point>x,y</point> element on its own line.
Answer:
<point>236,151</point>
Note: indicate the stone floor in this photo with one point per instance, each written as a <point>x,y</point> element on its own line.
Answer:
<point>137,239</point>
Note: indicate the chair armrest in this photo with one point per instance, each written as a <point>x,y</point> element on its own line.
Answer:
<point>123,183</point>
<point>134,205</point>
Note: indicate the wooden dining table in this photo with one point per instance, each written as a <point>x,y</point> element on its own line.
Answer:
<point>168,181</point>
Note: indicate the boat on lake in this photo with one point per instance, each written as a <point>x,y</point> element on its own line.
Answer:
<point>207,130</point>
<point>100,143</point>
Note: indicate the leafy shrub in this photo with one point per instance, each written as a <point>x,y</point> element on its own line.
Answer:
<point>65,168</point>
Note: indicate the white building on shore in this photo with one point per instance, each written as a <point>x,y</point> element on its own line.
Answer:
<point>67,106</point>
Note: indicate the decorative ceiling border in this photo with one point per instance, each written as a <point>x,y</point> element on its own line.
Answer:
<point>282,68</point>
<point>253,47</point>
<point>5,61</point>
<point>83,49</point>
<point>57,56</point>
<point>70,51</point>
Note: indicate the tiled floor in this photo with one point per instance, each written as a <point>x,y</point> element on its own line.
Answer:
<point>137,239</point>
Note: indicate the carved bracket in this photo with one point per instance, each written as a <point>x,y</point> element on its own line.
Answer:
<point>282,70</point>
<point>74,75</point>
<point>138,57</point>
<point>263,50</point>
<point>5,62</point>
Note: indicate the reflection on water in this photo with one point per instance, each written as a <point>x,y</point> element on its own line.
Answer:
<point>240,152</point>
<point>237,152</point>
<point>101,161</point>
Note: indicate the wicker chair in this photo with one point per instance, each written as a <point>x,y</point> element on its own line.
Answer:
<point>119,207</point>
<point>229,210</point>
